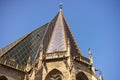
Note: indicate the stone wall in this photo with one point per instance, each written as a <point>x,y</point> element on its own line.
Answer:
<point>81,67</point>
<point>10,73</point>
<point>58,65</point>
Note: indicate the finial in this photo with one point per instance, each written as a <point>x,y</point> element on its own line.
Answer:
<point>90,56</point>
<point>60,6</point>
<point>89,51</point>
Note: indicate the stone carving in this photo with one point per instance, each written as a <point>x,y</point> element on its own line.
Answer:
<point>54,75</point>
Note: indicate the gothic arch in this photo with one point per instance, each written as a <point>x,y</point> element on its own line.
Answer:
<point>2,77</point>
<point>81,76</point>
<point>54,75</point>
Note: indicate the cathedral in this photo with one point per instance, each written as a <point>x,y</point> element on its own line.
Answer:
<point>48,53</point>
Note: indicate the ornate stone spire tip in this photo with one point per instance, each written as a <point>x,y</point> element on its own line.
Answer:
<point>89,51</point>
<point>60,6</point>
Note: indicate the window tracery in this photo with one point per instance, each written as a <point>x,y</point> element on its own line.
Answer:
<point>81,76</point>
<point>54,75</point>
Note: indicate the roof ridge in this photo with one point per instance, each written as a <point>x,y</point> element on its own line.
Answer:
<point>41,41</point>
<point>57,41</point>
<point>49,33</point>
<point>71,34</point>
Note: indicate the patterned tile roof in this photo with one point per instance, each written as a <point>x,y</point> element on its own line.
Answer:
<point>53,36</point>
<point>27,47</point>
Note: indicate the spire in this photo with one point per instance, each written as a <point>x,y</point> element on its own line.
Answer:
<point>91,60</point>
<point>100,77</point>
<point>60,6</point>
<point>59,35</point>
<point>58,40</point>
<point>100,74</point>
<point>90,56</point>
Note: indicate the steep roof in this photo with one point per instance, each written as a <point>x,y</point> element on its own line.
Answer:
<point>57,36</point>
<point>53,36</point>
<point>26,48</point>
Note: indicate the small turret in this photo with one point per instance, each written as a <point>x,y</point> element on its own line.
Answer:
<point>68,53</point>
<point>100,76</point>
<point>90,56</point>
<point>68,47</point>
<point>91,60</point>
<point>28,67</point>
<point>41,52</point>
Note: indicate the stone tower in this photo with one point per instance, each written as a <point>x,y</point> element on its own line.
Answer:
<point>47,53</point>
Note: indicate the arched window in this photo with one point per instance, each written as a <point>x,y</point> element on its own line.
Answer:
<point>3,77</point>
<point>81,76</point>
<point>54,75</point>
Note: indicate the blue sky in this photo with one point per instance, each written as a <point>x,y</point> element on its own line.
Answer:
<point>94,23</point>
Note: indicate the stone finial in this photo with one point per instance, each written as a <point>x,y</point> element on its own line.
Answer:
<point>90,56</point>
<point>60,6</point>
<point>89,52</point>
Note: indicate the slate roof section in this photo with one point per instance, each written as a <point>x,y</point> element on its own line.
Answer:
<point>8,47</point>
<point>27,47</point>
<point>53,36</point>
<point>58,41</point>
